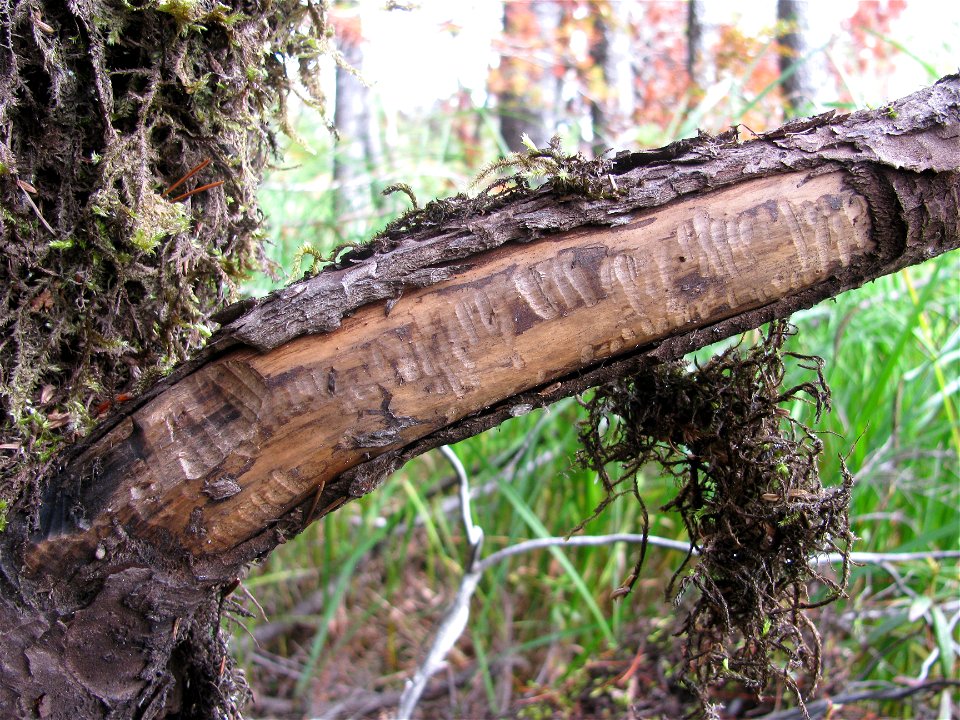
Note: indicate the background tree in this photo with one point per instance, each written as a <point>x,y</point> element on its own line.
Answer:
<point>700,44</point>
<point>354,117</point>
<point>530,72</point>
<point>802,63</point>
<point>610,77</point>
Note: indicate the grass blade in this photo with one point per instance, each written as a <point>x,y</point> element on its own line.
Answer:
<point>533,522</point>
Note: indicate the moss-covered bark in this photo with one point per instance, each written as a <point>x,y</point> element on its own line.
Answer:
<point>107,278</point>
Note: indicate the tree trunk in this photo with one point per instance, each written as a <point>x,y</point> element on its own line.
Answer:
<point>358,147</point>
<point>806,81</point>
<point>701,45</point>
<point>611,112</point>
<point>459,319</point>
<point>530,94</point>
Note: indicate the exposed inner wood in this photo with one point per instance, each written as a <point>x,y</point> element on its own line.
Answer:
<point>237,444</point>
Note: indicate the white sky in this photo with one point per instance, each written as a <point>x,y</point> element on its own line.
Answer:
<point>411,61</point>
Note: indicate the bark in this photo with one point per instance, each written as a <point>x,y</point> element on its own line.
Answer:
<point>304,400</point>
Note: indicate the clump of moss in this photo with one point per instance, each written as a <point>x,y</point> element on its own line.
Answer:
<point>562,172</point>
<point>750,497</point>
<point>108,276</point>
<point>517,175</point>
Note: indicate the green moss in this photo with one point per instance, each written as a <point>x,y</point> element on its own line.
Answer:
<point>184,12</point>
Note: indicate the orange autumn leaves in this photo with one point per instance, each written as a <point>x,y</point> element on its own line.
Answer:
<point>555,66</point>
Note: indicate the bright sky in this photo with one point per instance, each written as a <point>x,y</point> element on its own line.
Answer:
<point>412,60</point>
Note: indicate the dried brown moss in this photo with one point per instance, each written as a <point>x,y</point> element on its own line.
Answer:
<point>750,497</point>
<point>106,279</point>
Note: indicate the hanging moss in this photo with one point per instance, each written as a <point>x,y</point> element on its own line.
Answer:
<point>110,267</point>
<point>750,497</point>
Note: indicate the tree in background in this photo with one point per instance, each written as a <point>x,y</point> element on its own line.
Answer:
<point>623,72</point>
<point>701,43</point>
<point>528,81</point>
<point>610,75</point>
<point>803,65</point>
<point>354,117</point>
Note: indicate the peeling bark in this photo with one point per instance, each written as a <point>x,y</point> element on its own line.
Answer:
<point>306,399</point>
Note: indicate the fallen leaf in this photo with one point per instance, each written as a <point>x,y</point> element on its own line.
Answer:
<point>58,419</point>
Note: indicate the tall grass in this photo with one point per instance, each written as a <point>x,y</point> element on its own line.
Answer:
<point>375,576</point>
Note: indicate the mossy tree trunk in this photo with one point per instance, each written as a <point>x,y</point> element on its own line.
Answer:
<point>463,314</point>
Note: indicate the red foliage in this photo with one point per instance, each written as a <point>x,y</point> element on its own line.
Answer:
<point>662,81</point>
<point>873,18</point>
<point>657,30</point>
<point>520,44</point>
<point>658,36</point>
<point>346,24</point>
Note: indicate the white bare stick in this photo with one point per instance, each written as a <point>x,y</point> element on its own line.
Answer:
<point>455,621</point>
<point>652,540</point>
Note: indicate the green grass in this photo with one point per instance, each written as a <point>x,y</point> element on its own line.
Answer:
<point>387,565</point>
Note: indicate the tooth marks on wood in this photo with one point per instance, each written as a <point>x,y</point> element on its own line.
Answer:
<point>373,439</point>
<point>510,322</point>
